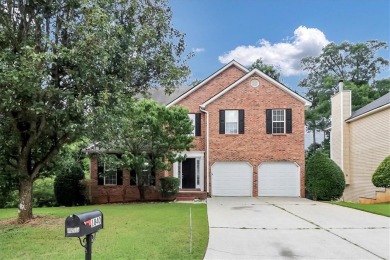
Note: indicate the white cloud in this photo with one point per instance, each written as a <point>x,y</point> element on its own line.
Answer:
<point>284,55</point>
<point>197,50</point>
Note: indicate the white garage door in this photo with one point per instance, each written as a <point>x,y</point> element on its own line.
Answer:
<point>279,179</point>
<point>231,179</point>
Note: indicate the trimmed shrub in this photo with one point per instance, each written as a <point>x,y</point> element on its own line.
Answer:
<point>169,186</point>
<point>43,193</point>
<point>381,176</point>
<point>68,188</point>
<point>324,179</point>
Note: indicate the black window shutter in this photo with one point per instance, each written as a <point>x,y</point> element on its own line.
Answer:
<point>268,120</point>
<point>288,121</point>
<point>119,176</point>
<point>241,121</point>
<point>221,121</point>
<point>197,124</point>
<point>100,175</point>
<point>152,178</point>
<point>133,178</point>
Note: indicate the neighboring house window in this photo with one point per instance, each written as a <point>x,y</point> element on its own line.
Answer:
<point>195,118</point>
<point>231,121</point>
<point>109,176</point>
<point>278,121</point>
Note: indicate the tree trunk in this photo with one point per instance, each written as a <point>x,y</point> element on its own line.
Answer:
<point>25,200</point>
<point>314,138</point>
<point>141,189</point>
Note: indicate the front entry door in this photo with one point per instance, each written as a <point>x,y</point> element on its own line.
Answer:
<point>188,173</point>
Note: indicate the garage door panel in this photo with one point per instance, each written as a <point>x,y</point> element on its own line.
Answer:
<point>279,179</point>
<point>231,179</point>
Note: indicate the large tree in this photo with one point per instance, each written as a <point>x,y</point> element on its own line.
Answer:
<point>60,58</point>
<point>143,136</point>
<point>267,69</point>
<point>357,64</point>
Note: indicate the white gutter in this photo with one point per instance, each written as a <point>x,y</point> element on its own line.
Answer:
<point>207,147</point>
<point>369,113</point>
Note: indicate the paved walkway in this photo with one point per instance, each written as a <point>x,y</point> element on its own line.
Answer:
<point>286,228</point>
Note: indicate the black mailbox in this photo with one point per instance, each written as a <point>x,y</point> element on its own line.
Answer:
<point>83,224</point>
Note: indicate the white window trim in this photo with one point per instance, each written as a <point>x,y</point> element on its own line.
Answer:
<point>275,121</point>
<point>104,177</point>
<point>198,155</point>
<point>192,117</point>
<point>237,123</point>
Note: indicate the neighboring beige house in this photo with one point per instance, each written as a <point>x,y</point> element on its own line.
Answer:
<point>359,142</point>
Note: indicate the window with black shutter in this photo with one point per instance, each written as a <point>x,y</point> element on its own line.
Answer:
<point>268,120</point>
<point>288,121</point>
<point>278,121</point>
<point>109,175</point>
<point>100,173</point>
<point>221,121</point>
<point>119,177</point>
<point>195,119</point>
<point>198,124</point>
<point>232,121</point>
<point>241,121</point>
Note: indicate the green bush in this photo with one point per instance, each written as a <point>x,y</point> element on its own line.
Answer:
<point>68,188</point>
<point>43,193</point>
<point>324,179</point>
<point>169,186</point>
<point>381,176</point>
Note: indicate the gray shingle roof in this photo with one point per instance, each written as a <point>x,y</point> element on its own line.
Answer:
<point>382,101</point>
<point>158,94</point>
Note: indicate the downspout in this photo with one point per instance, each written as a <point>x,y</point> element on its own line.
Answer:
<point>203,109</point>
<point>341,89</point>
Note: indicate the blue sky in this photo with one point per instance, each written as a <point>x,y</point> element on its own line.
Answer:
<point>280,31</point>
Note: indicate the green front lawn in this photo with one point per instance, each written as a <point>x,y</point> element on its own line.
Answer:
<point>380,209</point>
<point>132,231</point>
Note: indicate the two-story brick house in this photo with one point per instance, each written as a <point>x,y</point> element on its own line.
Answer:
<point>249,136</point>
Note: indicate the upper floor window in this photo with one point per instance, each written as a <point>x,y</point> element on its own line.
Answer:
<point>231,121</point>
<point>279,121</point>
<point>195,118</point>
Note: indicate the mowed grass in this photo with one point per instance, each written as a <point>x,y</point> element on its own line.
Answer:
<point>380,209</point>
<point>132,231</point>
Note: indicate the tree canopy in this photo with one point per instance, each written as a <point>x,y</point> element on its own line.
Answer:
<point>269,70</point>
<point>381,176</point>
<point>148,137</point>
<point>60,59</point>
<point>357,64</point>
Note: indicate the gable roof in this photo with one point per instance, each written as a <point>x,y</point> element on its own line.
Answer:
<point>372,107</point>
<point>159,95</point>
<point>185,94</point>
<point>306,102</point>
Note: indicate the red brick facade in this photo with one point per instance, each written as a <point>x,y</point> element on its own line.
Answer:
<point>254,146</point>
<point>100,194</point>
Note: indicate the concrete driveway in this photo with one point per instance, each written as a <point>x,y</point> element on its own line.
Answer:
<point>283,228</point>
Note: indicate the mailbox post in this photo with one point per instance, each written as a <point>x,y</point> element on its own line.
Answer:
<point>84,224</point>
